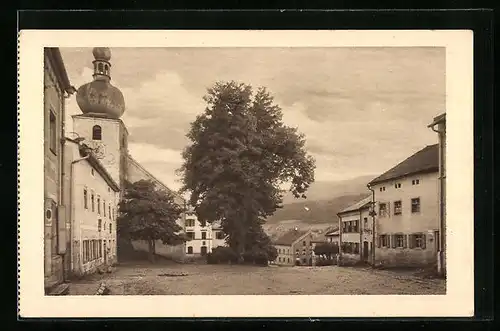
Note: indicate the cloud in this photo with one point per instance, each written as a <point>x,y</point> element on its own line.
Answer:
<point>362,110</point>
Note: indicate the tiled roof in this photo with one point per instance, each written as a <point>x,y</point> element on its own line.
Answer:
<point>425,160</point>
<point>290,237</point>
<point>358,205</point>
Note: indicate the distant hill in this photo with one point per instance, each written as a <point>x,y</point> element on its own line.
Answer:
<point>314,212</point>
<point>328,190</point>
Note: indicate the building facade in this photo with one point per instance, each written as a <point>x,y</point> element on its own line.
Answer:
<point>356,231</point>
<point>56,227</point>
<point>94,198</point>
<point>294,248</point>
<point>407,211</point>
<point>199,236</point>
<point>439,126</point>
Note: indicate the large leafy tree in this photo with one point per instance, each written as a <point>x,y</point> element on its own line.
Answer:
<point>241,154</point>
<point>150,214</point>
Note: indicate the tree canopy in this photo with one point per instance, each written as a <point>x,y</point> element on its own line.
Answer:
<point>240,155</point>
<point>148,213</point>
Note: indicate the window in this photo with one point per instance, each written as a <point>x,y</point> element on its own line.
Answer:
<point>104,207</point>
<point>190,222</point>
<point>100,68</point>
<point>384,241</point>
<point>288,260</point>
<point>190,250</point>
<point>99,205</point>
<point>304,243</point>
<point>92,198</point>
<point>415,182</point>
<point>303,252</point>
<point>399,240</point>
<point>397,207</point>
<point>365,220</point>
<point>203,235</point>
<point>382,189</point>
<point>355,226</point>
<point>415,205</point>
<point>417,240</point>
<point>203,243</point>
<point>203,224</point>
<point>52,132</point>
<point>99,224</point>
<point>110,227</point>
<point>96,132</point>
<point>382,209</point>
<point>109,211</point>
<point>190,235</point>
<point>397,185</point>
<point>219,235</point>
<point>297,252</point>
<point>85,199</point>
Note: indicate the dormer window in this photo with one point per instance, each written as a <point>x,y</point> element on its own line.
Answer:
<point>96,132</point>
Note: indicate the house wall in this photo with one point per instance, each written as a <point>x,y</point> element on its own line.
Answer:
<point>285,255</point>
<point>55,255</point>
<point>363,234</point>
<point>303,247</point>
<point>192,225</point>
<point>217,242</point>
<point>423,222</point>
<point>442,191</point>
<point>93,245</point>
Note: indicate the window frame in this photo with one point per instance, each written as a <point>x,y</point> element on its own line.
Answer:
<point>97,133</point>
<point>398,212</point>
<point>418,205</point>
<point>52,131</point>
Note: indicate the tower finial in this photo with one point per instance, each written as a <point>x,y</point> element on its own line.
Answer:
<point>102,66</point>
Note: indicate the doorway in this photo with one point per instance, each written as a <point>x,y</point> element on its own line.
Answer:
<point>203,250</point>
<point>365,251</point>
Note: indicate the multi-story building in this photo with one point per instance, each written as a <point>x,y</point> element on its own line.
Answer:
<point>294,248</point>
<point>93,203</point>
<point>439,126</point>
<point>407,215</point>
<point>356,236</point>
<point>199,234</point>
<point>56,240</point>
<point>333,236</point>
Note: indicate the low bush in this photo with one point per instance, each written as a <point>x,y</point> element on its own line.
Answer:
<point>222,254</point>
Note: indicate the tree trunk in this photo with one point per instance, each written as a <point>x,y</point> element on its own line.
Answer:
<point>151,251</point>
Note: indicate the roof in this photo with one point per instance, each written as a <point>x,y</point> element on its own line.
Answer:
<point>59,69</point>
<point>438,119</point>
<point>332,233</point>
<point>290,237</point>
<point>425,160</point>
<point>131,159</point>
<point>358,205</point>
<point>96,164</point>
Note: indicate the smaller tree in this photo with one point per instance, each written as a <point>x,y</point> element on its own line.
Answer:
<point>327,249</point>
<point>150,214</point>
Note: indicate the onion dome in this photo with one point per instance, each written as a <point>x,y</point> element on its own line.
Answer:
<point>99,98</point>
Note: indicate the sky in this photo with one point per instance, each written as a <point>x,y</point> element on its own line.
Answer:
<point>362,110</point>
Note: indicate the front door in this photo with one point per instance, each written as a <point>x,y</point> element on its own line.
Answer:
<point>203,250</point>
<point>365,251</point>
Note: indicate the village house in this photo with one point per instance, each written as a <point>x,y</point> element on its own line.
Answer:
<point>199,235</point>
<point>93,197</point>
<point>57,255</point>
<point>333,236</point>
<point>439,126</point>
<point>294,248</point>
<point>356,235</point>
<point>408,212</point>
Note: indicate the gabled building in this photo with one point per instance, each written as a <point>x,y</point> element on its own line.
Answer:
<point>356,236</point>
<point>407,220</point>
<point>294,248</point>
<point>438,125</point>
<point>333,236</point>
<point>57,255</point>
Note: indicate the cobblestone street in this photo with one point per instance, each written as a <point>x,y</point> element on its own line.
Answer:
<point>190,279</point>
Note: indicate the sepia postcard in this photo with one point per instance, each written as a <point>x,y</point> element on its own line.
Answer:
<point>245,173</point>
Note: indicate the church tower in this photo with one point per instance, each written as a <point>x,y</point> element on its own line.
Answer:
<point>100,125</point>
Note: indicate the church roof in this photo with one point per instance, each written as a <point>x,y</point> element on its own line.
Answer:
<point>425,160</point>
<point>153,178</point>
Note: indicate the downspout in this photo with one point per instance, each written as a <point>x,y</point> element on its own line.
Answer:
<point>441,201</point>
<point>373,223</point>
<point>340,240</point>
<point>71,192</point>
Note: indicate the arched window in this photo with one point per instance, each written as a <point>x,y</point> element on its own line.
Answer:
<point>106,69</point>
<point>100,68</point>
<point>96,132</point>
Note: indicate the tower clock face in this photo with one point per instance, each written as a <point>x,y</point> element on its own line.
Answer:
<point>98,149</point>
